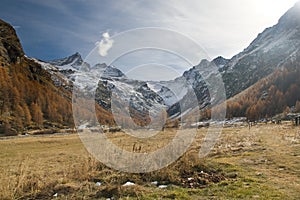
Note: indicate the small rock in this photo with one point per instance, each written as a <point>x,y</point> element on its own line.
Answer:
<point>98,184</point>
<point>162,186</point>
<point>259,174</point>
<point>128,184</point>
<point>154,183</point>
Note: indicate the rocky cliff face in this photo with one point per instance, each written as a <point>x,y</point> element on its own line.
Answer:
<point>10,47</point>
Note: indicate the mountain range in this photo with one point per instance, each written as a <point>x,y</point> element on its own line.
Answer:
<point>254,80</point>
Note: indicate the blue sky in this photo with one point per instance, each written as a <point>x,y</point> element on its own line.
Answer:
<point>51,29</point>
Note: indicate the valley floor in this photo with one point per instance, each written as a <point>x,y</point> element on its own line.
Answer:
<point>260,163</point>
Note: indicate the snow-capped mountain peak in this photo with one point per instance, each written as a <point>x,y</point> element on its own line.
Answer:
<point>73,62</point>
<point>75,58</point>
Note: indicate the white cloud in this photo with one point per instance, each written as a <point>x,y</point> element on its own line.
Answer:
<point>106,35</point>
<point>105,44</point>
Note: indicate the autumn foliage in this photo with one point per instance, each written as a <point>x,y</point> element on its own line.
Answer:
<point>277,93</point>
<point>28,98</point>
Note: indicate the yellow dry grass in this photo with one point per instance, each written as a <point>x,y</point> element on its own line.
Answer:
<point>261,163</point>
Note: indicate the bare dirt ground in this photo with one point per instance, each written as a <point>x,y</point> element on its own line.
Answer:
<point>260,163</point>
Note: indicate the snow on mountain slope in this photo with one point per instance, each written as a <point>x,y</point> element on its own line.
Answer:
<point>110,86</point>
<point>192,81</point>
<point>171,91</point>
<point>73,62</point>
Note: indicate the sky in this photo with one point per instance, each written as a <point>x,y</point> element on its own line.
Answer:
<point>51,29</point>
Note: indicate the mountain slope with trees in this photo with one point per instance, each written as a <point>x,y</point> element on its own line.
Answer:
<point>29,98</point>
<point>277,93</point>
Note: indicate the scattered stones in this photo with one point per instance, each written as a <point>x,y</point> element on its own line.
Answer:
<point>128,183</point>
<point>162,186</point>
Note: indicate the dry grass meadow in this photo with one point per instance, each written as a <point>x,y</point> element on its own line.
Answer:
<point>260,163</point>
